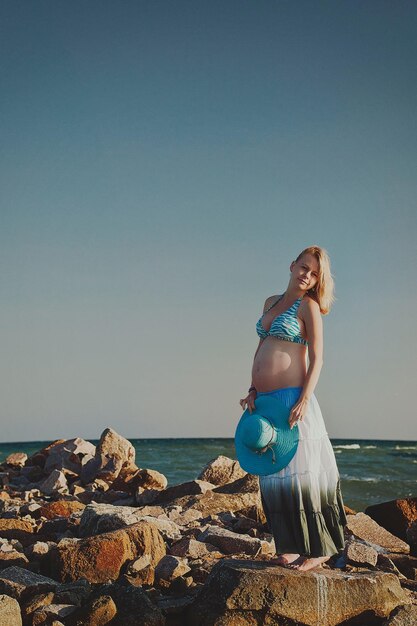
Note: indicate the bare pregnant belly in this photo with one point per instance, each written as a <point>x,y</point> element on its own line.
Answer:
<point>279,364</point>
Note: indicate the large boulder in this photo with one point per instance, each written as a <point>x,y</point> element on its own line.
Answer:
<point>249,592</point>
<point>113,453</point>
<point>100,558</point>
<point>221,470</point>
<point>395,515</point>
<point>9,611</point>
<point>70,455</point>
<point>364,527</point>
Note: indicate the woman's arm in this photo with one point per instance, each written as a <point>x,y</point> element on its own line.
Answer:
<point>314,330</point>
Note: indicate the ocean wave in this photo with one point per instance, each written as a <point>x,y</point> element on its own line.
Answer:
<point>406,447</point>
<point>367,479</point>
<point>369,447</point>
<point>349,446</point>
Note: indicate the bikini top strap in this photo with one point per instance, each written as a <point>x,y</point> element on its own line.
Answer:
<point>272,305</point>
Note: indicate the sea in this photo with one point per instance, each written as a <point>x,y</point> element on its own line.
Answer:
<point>371,471</point>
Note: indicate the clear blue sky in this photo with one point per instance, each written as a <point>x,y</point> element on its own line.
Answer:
<point>162,163</point>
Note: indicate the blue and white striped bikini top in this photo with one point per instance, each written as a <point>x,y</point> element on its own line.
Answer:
<point>285,326</point>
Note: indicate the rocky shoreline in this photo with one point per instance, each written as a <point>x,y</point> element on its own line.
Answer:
<point>87,537</point>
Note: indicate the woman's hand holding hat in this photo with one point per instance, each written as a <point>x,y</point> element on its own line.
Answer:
<point>297,412</point>
<point>249,401</point>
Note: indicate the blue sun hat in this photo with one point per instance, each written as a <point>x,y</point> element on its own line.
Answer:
<point>264,441</point>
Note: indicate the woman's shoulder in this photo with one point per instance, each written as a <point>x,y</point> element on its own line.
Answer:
<point>309,305</point>
<point>270,301</point>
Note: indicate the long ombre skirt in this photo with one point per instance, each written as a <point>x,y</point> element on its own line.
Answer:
<point>303,502</point>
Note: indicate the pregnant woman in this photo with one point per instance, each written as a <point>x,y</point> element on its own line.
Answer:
<point>302,502</point>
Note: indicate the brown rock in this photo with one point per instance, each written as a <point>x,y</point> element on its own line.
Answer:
<point>403,616</point>
<point>9,612</point>
<point>15,529</point>
<point>385,564</point>
<point>221,470</point>
<point>33,603</point>
<point>395,515</point>
<point>133,606</point>
<point>17,459</point>
<point>143,478</point>
<point>212,503</point>
<point>140,577</point>
<point>39,458</point>
<point>184,489</point>
<point>183,518</point>
<point>54,483</point>
<point>348,510</point>
<point>12,558</point>
<point>114,445</point>
<point>192,548</point>
<point>407,565</point>
<point>229,542</point>
<point>61,508</point>
<point>364,527</point>
<point>271,595</point>
<point>412,537</point>
<point>100,558</point>
<point>96,612</point>
<point>50,612</point>
<point>247,484</point>
<point>360,553</point>
<point>69,454</point>
<point>99,518</point>
<point>170,567</point>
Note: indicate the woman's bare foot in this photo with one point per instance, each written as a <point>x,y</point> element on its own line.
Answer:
<point>308,564</point>
<point>285,559</point>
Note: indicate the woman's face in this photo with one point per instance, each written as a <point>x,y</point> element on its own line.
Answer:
<point>305,272</point>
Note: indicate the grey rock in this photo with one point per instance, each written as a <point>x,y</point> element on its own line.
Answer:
<point>221,470</point>
<point>229,542</point>
<point>55,483</point>
<point>360,553</point>
<point>18,582</point>
<point>170,567</point>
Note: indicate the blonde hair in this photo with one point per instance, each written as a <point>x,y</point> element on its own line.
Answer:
<point>323,291</point>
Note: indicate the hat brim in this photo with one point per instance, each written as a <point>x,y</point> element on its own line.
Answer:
<point>280,453</point>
